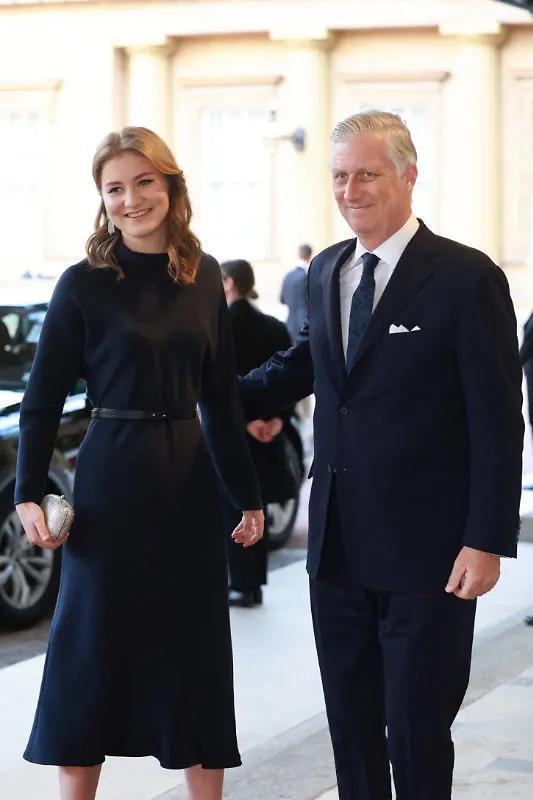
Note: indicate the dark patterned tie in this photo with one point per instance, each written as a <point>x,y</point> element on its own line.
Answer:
<point>361,310</point>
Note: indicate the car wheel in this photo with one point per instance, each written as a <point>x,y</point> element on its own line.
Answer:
<point>29,575</point>
<point>281,516</point>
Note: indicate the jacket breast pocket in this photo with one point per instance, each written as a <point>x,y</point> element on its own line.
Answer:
<point>405,346</point>
<point>410,338</point>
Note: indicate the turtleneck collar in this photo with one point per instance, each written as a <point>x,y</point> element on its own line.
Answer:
<point>132,262</point>
<point>239,302</point>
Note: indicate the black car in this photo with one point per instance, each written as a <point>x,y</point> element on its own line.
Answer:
<point>29,576</point>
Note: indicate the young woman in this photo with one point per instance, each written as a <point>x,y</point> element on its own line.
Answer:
<point>139,661</point>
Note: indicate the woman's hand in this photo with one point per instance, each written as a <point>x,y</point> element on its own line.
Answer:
<point>250,528</point>
<point>32,518</point>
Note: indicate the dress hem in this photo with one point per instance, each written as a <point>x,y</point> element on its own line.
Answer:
<point>204,763</point>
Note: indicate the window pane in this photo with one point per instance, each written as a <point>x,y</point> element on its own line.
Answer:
<point>22,181</point>
<point>420,119</point>
<point>235,183</point>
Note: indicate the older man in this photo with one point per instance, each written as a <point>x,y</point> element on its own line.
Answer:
<point>411,351</point>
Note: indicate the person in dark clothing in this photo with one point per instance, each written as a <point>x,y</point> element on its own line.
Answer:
<point>5,344</point>
<point>256,337</point>
<point>410,348</point>
<point>526,359</point>
<point>139,660</point>
<point>294,291</point>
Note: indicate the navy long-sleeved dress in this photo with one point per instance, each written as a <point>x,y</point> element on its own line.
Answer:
<point>139,660</point>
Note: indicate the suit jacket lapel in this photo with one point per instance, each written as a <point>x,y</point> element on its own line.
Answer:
<point>333,309</point>
<point>411,273</point>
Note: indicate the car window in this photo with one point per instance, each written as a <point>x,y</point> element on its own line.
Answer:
<point>32,325</point>
<point>11,321</point>
<point>20,329</point>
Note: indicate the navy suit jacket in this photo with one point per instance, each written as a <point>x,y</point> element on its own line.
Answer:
<point>424,435</point>
<point>294,295</point>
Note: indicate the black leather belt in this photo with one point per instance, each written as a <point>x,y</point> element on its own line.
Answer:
<point>127,413</point>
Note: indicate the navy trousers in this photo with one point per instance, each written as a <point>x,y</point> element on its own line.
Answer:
<point>395,668</point>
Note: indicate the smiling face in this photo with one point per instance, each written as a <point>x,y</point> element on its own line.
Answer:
<point>135,196</point>
<point>373,199</point>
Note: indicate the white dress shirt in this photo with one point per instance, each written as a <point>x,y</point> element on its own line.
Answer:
<point>350,273</point>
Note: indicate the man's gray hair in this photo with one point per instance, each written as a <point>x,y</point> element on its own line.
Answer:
<point>394,130</point>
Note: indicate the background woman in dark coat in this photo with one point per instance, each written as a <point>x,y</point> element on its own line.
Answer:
<point>256,337</point>
<point>526,359</point>
<point>139,660</point>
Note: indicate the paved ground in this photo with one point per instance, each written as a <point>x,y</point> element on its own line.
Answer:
<point>19,645</point>
<point>494,745</point>
<point>280,713</point>
<point>16,646</point>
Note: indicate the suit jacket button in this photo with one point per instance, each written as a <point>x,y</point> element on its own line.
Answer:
<point>344,410</point>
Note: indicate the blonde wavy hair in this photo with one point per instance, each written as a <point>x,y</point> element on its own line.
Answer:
<point>184,249</point>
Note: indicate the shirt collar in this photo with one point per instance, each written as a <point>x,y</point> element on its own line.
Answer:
<point>390,251</point>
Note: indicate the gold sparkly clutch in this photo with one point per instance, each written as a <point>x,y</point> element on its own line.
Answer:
<point>58,515</point>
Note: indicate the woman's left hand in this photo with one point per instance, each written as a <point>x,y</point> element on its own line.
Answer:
<point>250,529</point>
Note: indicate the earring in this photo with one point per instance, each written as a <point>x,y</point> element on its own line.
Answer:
<point>110,227</point>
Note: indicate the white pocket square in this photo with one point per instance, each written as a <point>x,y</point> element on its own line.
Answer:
<point>403,329</point>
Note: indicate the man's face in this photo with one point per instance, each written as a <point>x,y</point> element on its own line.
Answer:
<point>373,199</point>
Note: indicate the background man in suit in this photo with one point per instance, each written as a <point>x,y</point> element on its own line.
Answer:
<point>412,352</point>
<point>294,291</point>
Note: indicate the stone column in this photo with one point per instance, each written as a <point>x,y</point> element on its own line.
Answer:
<point>148,88</point>
<point>303,188</point>
<point>471,167</point>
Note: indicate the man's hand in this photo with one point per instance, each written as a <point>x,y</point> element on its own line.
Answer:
<point>250,529</point>
<point>474,573</point>
<point>265,430</point>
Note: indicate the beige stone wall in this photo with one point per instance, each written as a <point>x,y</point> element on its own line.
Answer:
<point>67,56</point>
<point>258,71</point>
<point>517,163</point>
<point>465,81</point>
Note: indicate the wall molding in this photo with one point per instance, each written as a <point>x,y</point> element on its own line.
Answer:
<point>37,86</point>
<point>218,81</point>
<point>435,76</point>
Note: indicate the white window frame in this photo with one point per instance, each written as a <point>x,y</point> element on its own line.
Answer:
<point>197,101</point>
<point>24,171</point>
<point>517,178</point>
<point>402,94</point>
